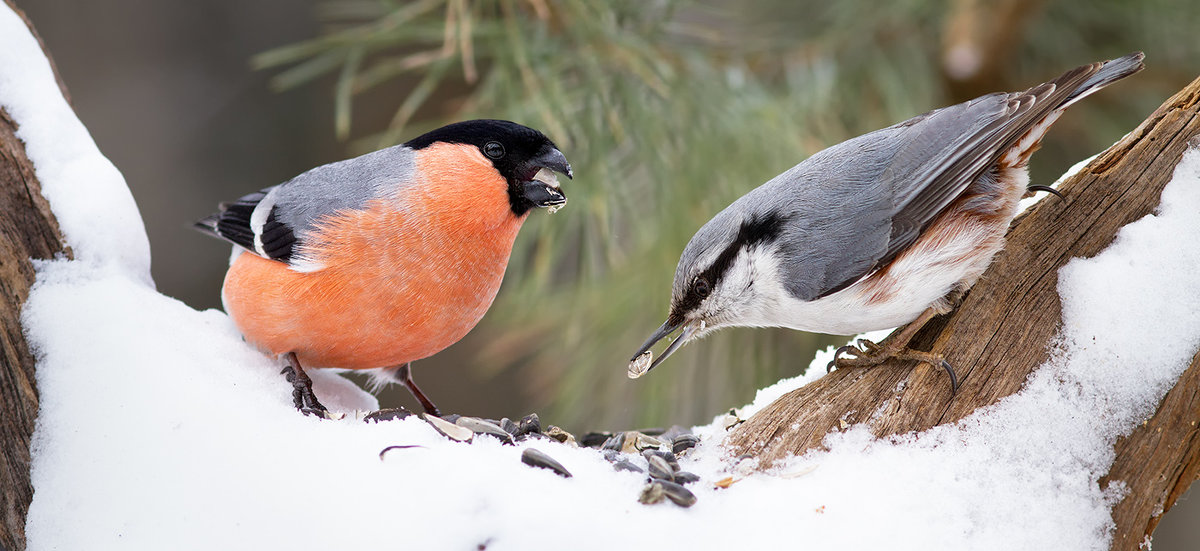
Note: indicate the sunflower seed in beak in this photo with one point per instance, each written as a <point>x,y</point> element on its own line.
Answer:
<point>640,365</point>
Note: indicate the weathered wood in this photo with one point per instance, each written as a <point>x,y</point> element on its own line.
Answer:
<point>1000,334</point>
<point>27,230</point>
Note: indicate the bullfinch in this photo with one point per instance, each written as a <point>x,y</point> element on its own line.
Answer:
<point>376,261</point>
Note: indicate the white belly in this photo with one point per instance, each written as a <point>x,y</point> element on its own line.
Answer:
<point>946,256</point>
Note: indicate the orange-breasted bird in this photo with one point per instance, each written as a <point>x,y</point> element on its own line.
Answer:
<point>387,258</point>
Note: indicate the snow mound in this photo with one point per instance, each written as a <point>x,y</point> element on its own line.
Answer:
<point>160,428</point>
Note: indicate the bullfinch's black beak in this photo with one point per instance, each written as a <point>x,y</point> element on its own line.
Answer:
<point>543,190</point>
<point>556,161</point>
<point>640,364</point>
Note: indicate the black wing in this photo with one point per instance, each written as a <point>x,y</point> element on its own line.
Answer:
<point>234,223</point>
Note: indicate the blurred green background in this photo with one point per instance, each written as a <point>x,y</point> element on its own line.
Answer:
<point>668,110</point>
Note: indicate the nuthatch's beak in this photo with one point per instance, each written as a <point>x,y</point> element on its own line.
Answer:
<point>543,190</point>
<point>640,364</point>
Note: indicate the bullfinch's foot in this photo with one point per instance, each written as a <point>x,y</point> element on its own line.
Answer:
<point>869,354</point>
<point>302,393</point>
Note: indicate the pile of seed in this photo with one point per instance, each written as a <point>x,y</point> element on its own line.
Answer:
<point>654,452</point>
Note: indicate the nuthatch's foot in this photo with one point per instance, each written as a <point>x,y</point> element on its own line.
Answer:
<point>302,393</point>
<point>869,354</point>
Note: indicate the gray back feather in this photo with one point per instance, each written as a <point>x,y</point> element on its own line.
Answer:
<point>344,185</point>
<point>853,207</point>
<point>275,222</point>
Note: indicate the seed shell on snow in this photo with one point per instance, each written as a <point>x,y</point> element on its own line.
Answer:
<point>659,468</point>
<point>652,493</point>
<point>684,442</point>
<point>530,424</point>
<point>536,458</point>
<point>561,436</point>
<point>594,439</point>
<point>682,497</point>
<point>448,429</point>
<point>665,455</point>
<point>387,414</point>
<point>657,490</point>
<point>675,431</point>
<point>615,442</point>
<point>636,442</point>
<point>482,426</point>
<point>627,465</point>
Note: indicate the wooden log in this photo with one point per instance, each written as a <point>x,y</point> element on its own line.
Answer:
<point>1002,329</point>
<point>27,230</point>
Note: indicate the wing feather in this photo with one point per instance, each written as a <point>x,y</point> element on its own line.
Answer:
<point>276,222</point>
<point>947,149</point>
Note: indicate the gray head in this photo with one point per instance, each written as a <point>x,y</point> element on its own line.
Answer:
<point>725,277</point>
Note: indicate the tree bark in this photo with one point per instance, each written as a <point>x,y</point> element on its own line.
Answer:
<point>1002,329</point>
<point>27,230</point>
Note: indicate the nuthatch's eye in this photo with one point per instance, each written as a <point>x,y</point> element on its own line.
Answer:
<point>702,287</point>
<point>493,150</point>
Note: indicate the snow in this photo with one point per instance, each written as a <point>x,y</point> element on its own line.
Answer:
<point>87,194</point>
<point>159,428</point>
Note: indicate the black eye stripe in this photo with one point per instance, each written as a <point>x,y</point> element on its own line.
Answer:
<point>754,231</point>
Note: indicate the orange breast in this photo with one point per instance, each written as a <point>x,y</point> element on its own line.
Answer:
<point>403,278</point>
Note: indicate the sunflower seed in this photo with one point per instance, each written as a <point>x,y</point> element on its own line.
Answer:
<point>389,414</point>
<point>560,435</point>
<point>536,458</point>
<point>684,442</point>
<point>449,430</point>
<point>682,497</point>
<point>483,426</point>
<point>659,468</point>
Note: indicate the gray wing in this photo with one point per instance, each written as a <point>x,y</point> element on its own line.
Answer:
<point>855,206</point>
<point>274,222</point>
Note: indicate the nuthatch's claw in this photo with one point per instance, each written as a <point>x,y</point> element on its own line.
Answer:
<point>869,354</point>
<point>1047,189</point>
<point>867,346</point>
<point>841,350</point>
<point>953,377</point>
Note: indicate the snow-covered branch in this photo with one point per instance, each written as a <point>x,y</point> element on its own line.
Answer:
<point>28,230</point>
<point>1092,345</point>
<point>158,427</point>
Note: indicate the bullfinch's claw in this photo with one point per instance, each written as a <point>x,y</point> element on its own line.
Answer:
<point>302,393</point>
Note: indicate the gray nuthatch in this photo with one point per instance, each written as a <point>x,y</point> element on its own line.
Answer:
<point>879,231</point>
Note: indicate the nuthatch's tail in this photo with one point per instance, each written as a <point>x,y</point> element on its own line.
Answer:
<point>1110,72</point>
<point>1046,102</point>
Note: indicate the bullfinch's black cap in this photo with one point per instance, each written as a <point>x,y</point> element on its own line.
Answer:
<point>517,151</point>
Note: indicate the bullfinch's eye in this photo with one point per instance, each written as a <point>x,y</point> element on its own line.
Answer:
<point>702,287</point>
<point>493,150</point>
